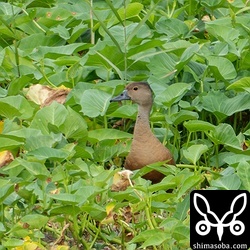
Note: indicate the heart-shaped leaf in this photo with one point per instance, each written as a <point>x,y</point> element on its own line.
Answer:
<point>95,102</point>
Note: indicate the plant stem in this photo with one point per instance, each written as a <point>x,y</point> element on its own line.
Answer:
<point>37,25</point>
<point>92,33</point>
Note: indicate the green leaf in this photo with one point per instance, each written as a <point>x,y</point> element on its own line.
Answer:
<point>15,106</point>
<point>241,85</point>
<point>152,237</point>
<point>222,106</point>
<point>61,31</point>
<point>243,171</point>
<point>36,169</point>
<point>227,182</point>
<point>194,152</point>
<point>181,232</point>
<point>66,198</point>
<point>211,3</point>
<point>65,210</point>
<point>44,153</point>
<point>182,209</point>
<point>189,183</point>
<point>197,125</point>
<point>57,51</point>
<point>222,29</point>
<point>47,117</point>
<point>184,115</point>
<point>173,28</point>
<point>132,10</point>
<point>125,111</point>
<point>10,142</point>
<point>163,66</point>
<point>17,84</point>
<point>6,188</point>
<point>35,221</point>
<point>225,135</point>
<point>173,93</point>
<point>221,67</point>
<point>95,102</point>
<point>77,129</point>
<point>187,55</point>
<point>107,134</point>
<point>96,211</point>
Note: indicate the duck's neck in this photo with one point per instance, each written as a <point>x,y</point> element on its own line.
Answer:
<point>142,125</point>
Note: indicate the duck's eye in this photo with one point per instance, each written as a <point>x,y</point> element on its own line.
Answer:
<point>135,88</point>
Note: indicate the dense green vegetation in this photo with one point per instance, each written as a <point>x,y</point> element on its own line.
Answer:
<point>55,185</point>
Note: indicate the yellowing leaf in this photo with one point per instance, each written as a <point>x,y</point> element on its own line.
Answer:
<point>5,158</point>
<point>44,95</point>
<point>1,126</point>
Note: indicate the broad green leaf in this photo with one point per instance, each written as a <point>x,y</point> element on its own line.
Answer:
<point>9,9</point>
<point>47,117</point>
<point>17,84</point>
<point>222,106</point>
<point>76,129</point>
<point>36,169</point>
<point>57,51</point>
<point>66,198</point>
<point>35,221</point>
<point>36,141</point>
<point>194,152</point>
<point>65,210</point>
<point>151,237</point>
<point>61,31</point>
<point>13,243</point>
<point>95,102</point>
<point>173,94</point>
<point>44,153</point>
<point>198,125</point>
<point>221,67</point>
<point>163,66</point>
<point>15,106</point>
<point>143,49</point>
<point>2,228</point>
<point>182,209</point>
<point>100,56</point>
<point>189,183</point>
<point>222,29</point>
<point>173,28</point>
<point>6,188</point>
<point>125,111</point>
<point>235,159</point>
<point>10,142</point>
<point>30,43</point>
<point>103,153</point>
<point>211,3</point>
<point>155,239</point>
<point>181,232</point>
<point>184,115</point>
<point>243,171</point>
<point>96,211</point>
<point>187,55</point>
<point>241,85</point>
<point>170,223</point>
<point>225,135</point>
<point>227,182</point>
<point>107,134</point>
<point>132,10</point>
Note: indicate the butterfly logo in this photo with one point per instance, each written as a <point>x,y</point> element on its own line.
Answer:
<point>203,227</point>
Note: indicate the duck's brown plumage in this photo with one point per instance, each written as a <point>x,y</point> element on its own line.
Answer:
<point>146,148</point>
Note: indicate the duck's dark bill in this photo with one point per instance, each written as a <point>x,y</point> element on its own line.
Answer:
<point>121,97</point>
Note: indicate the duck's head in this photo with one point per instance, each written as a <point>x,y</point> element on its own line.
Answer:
<point>138,92</point>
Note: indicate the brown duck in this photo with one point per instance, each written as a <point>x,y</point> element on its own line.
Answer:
<point>146,148</point>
